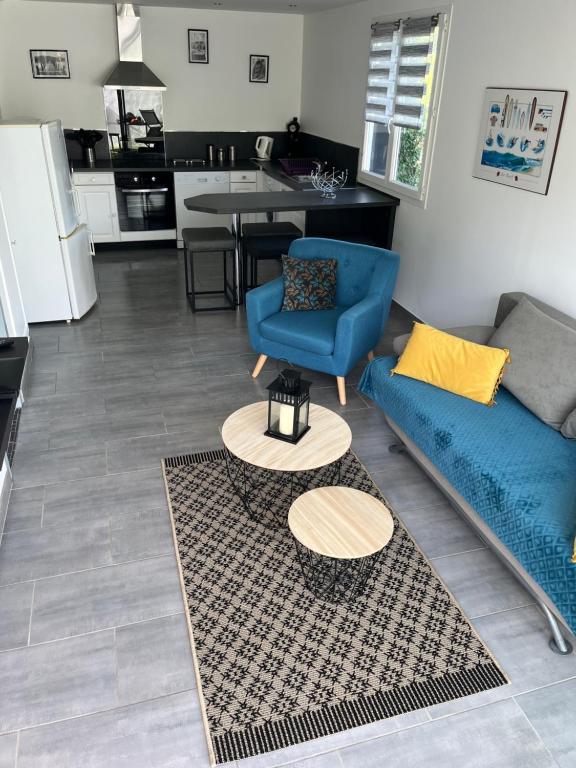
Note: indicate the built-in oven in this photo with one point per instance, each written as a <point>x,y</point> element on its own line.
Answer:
<point>145,200</point>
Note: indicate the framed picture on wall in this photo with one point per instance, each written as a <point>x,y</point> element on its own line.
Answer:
<point>198,46</point>
<point>259,65</point>
<point>49,64</point>
<point>519,132</point>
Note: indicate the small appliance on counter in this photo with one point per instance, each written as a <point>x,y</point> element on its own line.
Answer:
<point>232,153</point>
<point>220,153</point>
<point>264,147</point>
<point>210,153</point>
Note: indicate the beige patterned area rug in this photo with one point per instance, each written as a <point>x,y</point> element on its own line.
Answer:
<point>276,666</point>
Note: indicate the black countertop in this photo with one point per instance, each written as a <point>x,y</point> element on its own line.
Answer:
<point>262,202</point>
<point>270,167</point>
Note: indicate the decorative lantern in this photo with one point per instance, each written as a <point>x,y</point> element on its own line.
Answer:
<point>288,406</point>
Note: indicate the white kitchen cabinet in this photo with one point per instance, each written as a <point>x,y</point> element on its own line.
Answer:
<point>298,218</point>
<point>192,183</point>
<point>241,182</point>
<point>99,211</point>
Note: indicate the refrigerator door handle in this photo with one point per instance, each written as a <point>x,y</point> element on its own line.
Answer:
<point>91,240</point>
<point>76,199</point>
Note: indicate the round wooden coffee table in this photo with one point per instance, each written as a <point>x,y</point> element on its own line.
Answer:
<point>339,533</point>
<point>266,472</point>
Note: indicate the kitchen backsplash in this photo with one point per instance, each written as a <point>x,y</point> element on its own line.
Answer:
<point>192,144</point>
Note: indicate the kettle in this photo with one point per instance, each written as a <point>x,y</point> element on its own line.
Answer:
<point>264,147</point>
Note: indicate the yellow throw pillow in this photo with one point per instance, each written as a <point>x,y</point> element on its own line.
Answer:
<point>456,365</point>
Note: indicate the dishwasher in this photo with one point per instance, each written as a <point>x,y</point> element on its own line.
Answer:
<point>190,184</point>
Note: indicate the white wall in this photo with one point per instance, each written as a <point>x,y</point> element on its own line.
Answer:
<point>476,239</point>
<point>216,97</point>
<point>87,31</point>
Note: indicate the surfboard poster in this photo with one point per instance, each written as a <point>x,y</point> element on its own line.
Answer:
<point>518,137</point>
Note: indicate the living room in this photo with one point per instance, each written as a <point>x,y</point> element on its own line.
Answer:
<point>304,527</point>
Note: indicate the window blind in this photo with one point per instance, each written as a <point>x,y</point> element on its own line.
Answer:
<point>400,56</point>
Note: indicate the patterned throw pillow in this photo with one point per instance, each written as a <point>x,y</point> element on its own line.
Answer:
<point>308,284</point>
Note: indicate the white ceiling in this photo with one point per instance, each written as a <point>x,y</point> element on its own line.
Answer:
<point>267,6</point>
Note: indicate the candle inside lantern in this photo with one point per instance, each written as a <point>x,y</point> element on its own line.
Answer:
<point>286,421</point>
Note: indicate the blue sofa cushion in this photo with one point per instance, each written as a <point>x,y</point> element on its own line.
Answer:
<point>311,330</point>
<point>516,472</point>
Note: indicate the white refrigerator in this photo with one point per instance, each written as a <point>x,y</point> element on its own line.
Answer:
<point>52,249</point>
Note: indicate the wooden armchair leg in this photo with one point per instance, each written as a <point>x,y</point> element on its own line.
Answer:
<point>341,381</point>
<point>371,355</point>
<point>259,365</point>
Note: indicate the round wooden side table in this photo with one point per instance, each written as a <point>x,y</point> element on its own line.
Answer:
<point>266,473</point>
<point>339,533</point>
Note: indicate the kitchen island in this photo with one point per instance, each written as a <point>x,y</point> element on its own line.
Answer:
<point>369,215</point>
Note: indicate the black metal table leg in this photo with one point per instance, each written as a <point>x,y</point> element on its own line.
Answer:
<point>262,492</point>
<point>332,579</point>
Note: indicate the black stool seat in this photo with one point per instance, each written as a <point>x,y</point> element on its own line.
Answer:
<point>208,239</point>
<point>203,240</point>
<point>265,241</point>
<point>274,228</point>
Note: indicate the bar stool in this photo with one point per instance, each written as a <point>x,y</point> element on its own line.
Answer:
<point>265,241</point>
<point>202,240</point>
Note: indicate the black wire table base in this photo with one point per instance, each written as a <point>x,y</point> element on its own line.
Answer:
<point>267,494</point>
<point>332,579</point>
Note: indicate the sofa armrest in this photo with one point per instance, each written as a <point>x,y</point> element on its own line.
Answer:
<point>357,332</point>
<point>262,302</point>
<point>479,334</point>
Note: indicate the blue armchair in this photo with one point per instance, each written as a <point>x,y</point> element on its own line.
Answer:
<point>329,340</point>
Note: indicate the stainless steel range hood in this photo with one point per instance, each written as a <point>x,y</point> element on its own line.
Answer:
<point>131,73</point>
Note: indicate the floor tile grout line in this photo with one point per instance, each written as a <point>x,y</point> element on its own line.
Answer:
<point>17,754</point>
<point>534,730</point>
<point>31,613</point>
<point>499,612</point>
<point>504,698</point>
<point>97,712</point>
<point>68,524</point>
<point>94,568</point>
<point>64,638</point>
<point>87,477</point>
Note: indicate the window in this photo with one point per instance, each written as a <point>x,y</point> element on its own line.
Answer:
<point>403,88</point>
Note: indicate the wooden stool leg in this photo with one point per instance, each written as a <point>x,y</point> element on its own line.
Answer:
<point>371,355</point>
<point>259,365</point>
<point>341,382</point>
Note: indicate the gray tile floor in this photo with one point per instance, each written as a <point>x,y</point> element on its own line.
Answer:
<point>95,666</point>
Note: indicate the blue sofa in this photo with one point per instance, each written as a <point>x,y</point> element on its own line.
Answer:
<point>513,476</point>
<point>331,340</point>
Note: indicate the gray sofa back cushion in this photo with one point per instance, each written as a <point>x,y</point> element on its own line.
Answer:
<point>510,300</point>
<point>542,374</point>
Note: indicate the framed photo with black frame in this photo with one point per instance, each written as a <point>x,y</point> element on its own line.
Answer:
<point>198,46</point>
<point>48,64</point>
<point>259,68</point>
